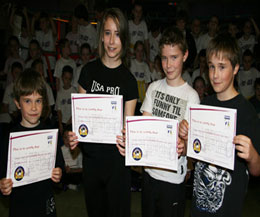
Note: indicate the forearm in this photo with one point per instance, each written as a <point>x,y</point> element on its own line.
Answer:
<point>254,165</point>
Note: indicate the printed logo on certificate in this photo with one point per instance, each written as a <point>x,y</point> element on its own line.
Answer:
<point>31,156</point>
<point>151,141</point>
<point>97,118</point>
<point>211,133</point>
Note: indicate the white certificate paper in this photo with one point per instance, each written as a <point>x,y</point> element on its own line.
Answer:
<point>97,118</point>
<point>31,156</point>
<point>211,133</point>
<point>151,141</point>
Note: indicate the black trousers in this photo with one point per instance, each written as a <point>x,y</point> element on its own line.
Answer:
<point>107,186</point>
<point>162,199</point>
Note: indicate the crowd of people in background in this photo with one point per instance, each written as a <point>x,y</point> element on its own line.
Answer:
<point>62,63</point>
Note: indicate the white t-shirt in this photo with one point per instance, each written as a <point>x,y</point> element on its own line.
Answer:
<point>88,34</point>
<point>24,42</point>
<point>154,46</point>
<point>156,75</point>
<point>203,42</point>
<point>137,32</point>
<point>72,158</point>
<point>51,100</point>
<point>142,75</point>
<point>9,98</point>
<point>59,66</point>
<point>47,43</point>
<point>63,103</point>
<point>186,77</point>
<point>246,44</point>
<point>74,42</point>
<point>165,101</point>
<point>246,80</point>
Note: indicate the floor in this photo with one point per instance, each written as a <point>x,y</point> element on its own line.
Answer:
<point>70,203</point>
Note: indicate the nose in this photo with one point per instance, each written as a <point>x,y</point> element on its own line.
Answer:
<point>112,39</point>
<point>34,106</point>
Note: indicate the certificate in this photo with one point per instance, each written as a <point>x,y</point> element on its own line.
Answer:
<point>31,156</point>
<point>211,133</point>
<point>97,118</point>
<point>151,141</point>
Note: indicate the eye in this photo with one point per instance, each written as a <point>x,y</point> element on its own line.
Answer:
<point>117,34</point>
<point>107,33</point>
<point>39,101</point>
<point>211,66</point>
<point>27,101</point>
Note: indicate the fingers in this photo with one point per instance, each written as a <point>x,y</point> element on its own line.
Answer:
<point>243,146</point>
<point>180,147</point>
<point>56,174</point>
<point>183,129</point>
<point>70,139</point>
<point>6,186</point>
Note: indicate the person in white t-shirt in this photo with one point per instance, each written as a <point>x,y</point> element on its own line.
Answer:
<point>9,112</point>
<point>46,36</point>
<point>85,54</point>
<point>141,71</point>
<point>87,31</point>
<point>73,36</point>
<point>248,40</point>
<point>35,53</point>
<point>65,60</point>
<point>138,30</point>
<point>63,101</point>
<point>247,75</point>
<point>154,38</point>
<point>157,71</point>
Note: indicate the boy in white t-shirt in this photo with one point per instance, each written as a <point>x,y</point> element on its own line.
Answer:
<point>63,101</point>
<point>141,71</point>
<point>73,36</point>
<point>65,60</point>
<point>164,190</point>
<point>138,30</point>
<point>247,75</point>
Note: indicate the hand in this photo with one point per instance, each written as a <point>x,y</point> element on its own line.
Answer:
<point>181,147</point>
<point>244,147</point>
<point>120,143</point>
<point>70,139</point>
<point>6,186</point>
<point>56,174</point>
<point>183,129</point>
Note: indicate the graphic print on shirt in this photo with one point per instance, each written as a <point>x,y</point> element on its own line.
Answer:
<point>210,184</point>
<point>97,87</point>
<point>168,106</point>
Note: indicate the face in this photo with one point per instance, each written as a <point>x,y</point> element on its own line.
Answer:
<point>139,53</point>
<point>181,24</point>
<point>202,62</point>
<point>14,47</point>
<point>34,50</point>
<point>221,75</point>
<point>16,72</point>
<point>247,62</point>
<point>44,24</point>
<point>247,28</point>
<point>257,92</point>
<point>31,108</point>
<point>200,88</point>
<point>111,40</point>
<point>195,28</point>
<point>67,78</point>
<point>213,24</point>
<point>66,51</point>
<point>172,62</point>
<point>138,12</point>
<point>232,29</point>
<point>85,55</point>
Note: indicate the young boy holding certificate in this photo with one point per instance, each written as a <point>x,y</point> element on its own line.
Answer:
<point>34,199</point>
<point>164,190</point>
<point>218,191</point>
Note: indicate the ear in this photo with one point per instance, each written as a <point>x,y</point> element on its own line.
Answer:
<point>236,69</point>
<point>185,55</point>
<point>17,104</point>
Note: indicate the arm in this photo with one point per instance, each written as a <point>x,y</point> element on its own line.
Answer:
<point>56,174</point>
<point>27,21</point>
<point>257,31</point>
<point>53,27</point>
<point>34,19</point>
<point>129,111</point>
<point>247,152</point>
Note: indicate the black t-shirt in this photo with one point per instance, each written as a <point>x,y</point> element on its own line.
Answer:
<point>33,199</point>
<point>96,78</point>
<point>217,191</point>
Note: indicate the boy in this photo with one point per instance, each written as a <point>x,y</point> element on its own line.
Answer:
<point>218,191</point>
<point>164,190</point>
<point>247,76</point>
<point>63,101</point>
<point>142,73</point>
<point>65,59</point>
<point>34,199</point>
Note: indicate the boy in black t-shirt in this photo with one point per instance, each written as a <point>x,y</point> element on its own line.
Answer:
<point>218,191</point>
<point>34,199</point>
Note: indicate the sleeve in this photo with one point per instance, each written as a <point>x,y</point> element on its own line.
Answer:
<point>59,159</point>
<point>57,70</point>
<point>148,101</point>
<point>4,154</point>
<point>50,95</point>
<point>132,89</point>
<point>85,77</point>
<point>147,74</point>
<point>57,104</point>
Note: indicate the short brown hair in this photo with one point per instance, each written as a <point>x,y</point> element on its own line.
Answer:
<point>224,45</point>
<point>29,82</point>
